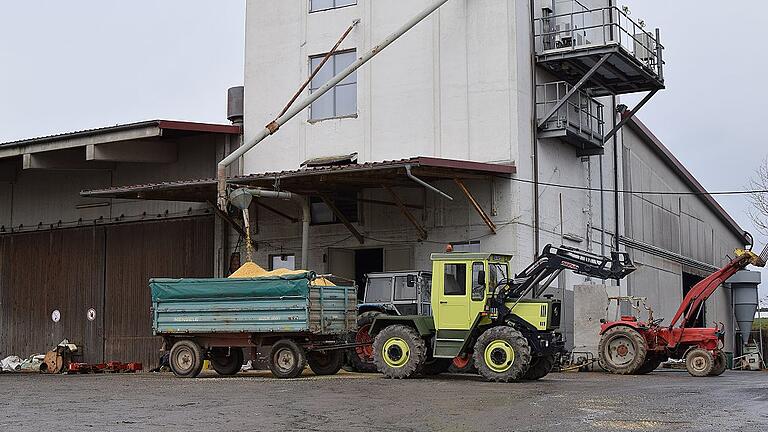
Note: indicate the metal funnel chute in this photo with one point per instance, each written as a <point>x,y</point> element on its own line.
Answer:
<point>744,288</point>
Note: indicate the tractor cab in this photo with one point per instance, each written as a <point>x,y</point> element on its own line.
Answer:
<point>398,293</point>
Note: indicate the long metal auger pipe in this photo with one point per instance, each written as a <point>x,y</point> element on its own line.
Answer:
<point>221,171</point>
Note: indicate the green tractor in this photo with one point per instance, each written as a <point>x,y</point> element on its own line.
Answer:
<point>481,314</point>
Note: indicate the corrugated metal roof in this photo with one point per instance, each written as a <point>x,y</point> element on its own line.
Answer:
<point>171,125</point>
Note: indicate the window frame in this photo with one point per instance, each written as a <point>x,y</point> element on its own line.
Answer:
<point>334,7</point>
<point>332,92</point>
<point>273,256</point>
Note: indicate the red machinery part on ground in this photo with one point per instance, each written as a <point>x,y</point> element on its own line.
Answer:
<point>631,346</point>
<point>110,367</point>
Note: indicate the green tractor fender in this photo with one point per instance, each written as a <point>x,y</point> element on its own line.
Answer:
<point>424,325</point>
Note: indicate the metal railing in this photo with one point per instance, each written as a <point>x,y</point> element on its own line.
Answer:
<point>591,28</point>
<point>581,113</point>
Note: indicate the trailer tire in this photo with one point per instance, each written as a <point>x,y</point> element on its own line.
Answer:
<point>502,354</point>
<point>287,359</point>
<point>699,362</point>
<point>325,362</point>
<point>186,359</point>
<point>227,361</point>
<point>362,356</point>
<point>540,367</point>
<point>721,364</point>
<point>623,350</point>
<point>399,352</point>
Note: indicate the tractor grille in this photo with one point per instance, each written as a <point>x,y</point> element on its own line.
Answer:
<point>557,313</point>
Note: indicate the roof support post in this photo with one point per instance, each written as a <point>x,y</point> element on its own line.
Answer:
<point>403,209</point>
<point>340,216</point>
<point>573,91</point>
<point>476,205</point>
<point>632,113</point>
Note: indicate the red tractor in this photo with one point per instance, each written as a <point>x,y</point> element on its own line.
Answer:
<point>631,346</point>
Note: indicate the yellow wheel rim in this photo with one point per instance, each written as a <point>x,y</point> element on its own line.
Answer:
<point>499,356</point>
<point>395,352</point>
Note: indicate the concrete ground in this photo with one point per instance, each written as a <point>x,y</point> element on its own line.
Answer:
<point>664,400</point>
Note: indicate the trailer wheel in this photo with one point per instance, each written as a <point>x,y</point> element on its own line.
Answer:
<point>287,359</point>
<point>186,359</point>
<point>399,352</point>
<point>699,362</point>
<point>227,361</point>
<point>721,364</point>
<point>623,350</point>
<point>325,362</point>
<point>362,356</point>
<point>502,354</point>
<point>540,367</point>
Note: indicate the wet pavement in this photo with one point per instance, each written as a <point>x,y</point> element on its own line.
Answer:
<point>664,400</point>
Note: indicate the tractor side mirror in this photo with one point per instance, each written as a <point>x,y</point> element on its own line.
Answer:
<point>481,278</point>
<point>411,281</point>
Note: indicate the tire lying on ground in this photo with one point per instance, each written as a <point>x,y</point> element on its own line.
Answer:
<point>325,362</point>
<point>721,364</point>
<point>186,359</point>
<point>622,350</point>
<point>502,354</point>
<point>226,361</point>
<point>651,364</point>
<point>540,367</point>
<point>399,352</point>
<point>699,362</point>
<point>287,359</point>
<point>362,357</point>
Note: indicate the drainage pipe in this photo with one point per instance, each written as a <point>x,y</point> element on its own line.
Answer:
<point>221,171</point>
<point>306,217</point>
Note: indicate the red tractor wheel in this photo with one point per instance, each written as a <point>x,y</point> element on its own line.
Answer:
<point>623,350</point>
<point>362,356</point>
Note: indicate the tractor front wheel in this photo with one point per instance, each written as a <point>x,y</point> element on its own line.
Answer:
<point>623,350</point>
<point>721,364</point>
<point>502,354</point>
<point>399,352</point>
<point>699,362</point>
<point>540,367</point>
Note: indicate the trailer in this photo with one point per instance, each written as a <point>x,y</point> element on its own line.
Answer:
<point>298,318</point>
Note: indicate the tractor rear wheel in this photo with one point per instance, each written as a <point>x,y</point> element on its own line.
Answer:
<point>227,361</point>
<point>325,362</point>
<point>721,364</point>
<point>399,352</point>
<point>540,367</point>
<point>623,350</point>
<point>287,359</point>
<point>362,356</point>
<point>502,354</point>
<point>699,362</point>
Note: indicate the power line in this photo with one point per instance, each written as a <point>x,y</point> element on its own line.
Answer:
<point>631,192</point>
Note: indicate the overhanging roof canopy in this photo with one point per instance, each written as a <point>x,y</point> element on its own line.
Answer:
<point>317,180</point>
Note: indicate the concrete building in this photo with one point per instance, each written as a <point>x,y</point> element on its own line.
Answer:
<point>510,111</point>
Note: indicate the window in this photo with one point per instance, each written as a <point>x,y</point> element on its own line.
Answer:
<point>287,261</point>
<point>455,280</point>
<point>340,101</point>
<point>379,290</point>
<point>402,291</point>
<point>323,215</point>
<point>321,5</point>
<point>478,285</point>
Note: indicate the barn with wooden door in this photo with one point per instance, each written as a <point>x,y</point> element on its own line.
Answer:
<point>77,268</point>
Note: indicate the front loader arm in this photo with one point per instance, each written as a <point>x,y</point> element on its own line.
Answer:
<point>700,292</point>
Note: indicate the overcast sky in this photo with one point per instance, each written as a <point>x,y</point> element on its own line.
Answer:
<point>90,63</point>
